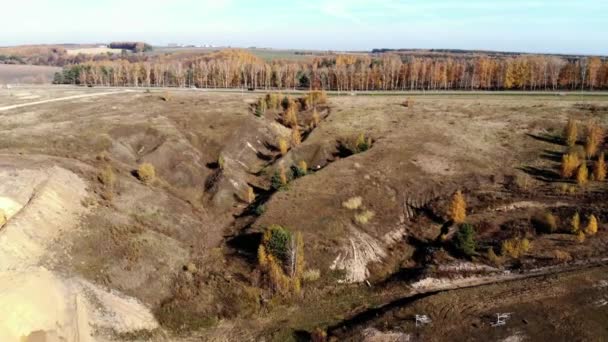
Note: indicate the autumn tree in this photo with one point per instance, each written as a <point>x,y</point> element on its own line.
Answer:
<point>571,132</point>
<point>457,211</point>
<point>595,136</point>
<point>575,223</point>
<point>599,169</point>
<point>582,175</point>
<point>592,226</point>
<point>570,163</point>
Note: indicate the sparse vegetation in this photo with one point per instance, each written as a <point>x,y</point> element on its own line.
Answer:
<point>364,216</point>
<point>595,136</point>
<point>281,178</point>
<point>515,248</point>
<point>353,203</point>
<point>146,172</point>
<point>312,275</point>
<point>107,177</point>
<point>457,212</point>
<point>571,132</point>
<point>315,119</point>
<point>296,136</point>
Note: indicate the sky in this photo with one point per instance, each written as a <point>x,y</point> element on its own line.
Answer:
<point>552,26</point>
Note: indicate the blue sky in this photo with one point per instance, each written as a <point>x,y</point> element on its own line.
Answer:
<point>560,26</point>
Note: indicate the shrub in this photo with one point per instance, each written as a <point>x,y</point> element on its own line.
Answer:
<point>582,174</point>
<point>280,178</point>
<point>580,237</point>
<point>492,257</point>
<point>146,172</point>
<point>273,101</point>
<point>316,97</point>
<point>457,212</point>
<point>260,107</point>
<point>283,146</point>
<point>363,144</point>
<point>599,170</point>
<point>315,119</point>
<point>515,248</point>
<point>107,177</point>
<point>465,240</point>
<point>575,223</point>
<point>221,162</point>
<point>546,222</point>
<point>311,275</point>
<point>260,209</point>
<point>364,217</point>
<point>592,226</point>
<point>318,335</point>
<point>571,132</point>
<point>595,136</point>
<point>262,257</point>
<point>353,203</point>
<point>290,117</point>
<point>302,168</point>
<point>296,136</point>
<point>562,256</point>
<point>250,197</point>
<point>570,162</point>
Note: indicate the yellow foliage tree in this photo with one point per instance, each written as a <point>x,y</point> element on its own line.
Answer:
<point>571,132</point>
<point>570,162</point>
<point>303,167</point>
<point>575,224</point>
<point>599,170</point>
<point>250,195</point>
<point>595,136</point>
<point>146,172</point>
<point>582,175</point>
<point>458,208</point>
<point>283,146</point>
<point>296,136</point>
<point>592,226</point>
<point>283,175</point>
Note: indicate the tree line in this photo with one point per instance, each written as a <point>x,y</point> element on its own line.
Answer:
<point>351,72</point>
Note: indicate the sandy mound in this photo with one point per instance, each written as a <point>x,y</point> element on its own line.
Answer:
<point>42,206</point>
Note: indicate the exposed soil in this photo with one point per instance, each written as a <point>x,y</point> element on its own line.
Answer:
<point>184,245</point>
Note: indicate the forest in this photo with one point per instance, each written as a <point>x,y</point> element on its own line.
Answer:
<point>231,68</point>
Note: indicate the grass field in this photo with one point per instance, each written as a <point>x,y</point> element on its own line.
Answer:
<point>26,74</point>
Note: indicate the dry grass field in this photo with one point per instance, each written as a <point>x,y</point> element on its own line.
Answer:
<point>179,242</point>
<point>93,51</point>
<point>27,74</point>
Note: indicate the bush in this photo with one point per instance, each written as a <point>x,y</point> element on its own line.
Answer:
<point>107,177</point>
<point>280,178</point>
<point>582,174</point>
<point>364,217</point>
<point>575,224</point>
<point>311,275</point>
<point>250,197</point>
<point>146,172</point>
<point>599,170</point>
<point>465,240</point>
<point>273,101</point>
<point>571,132</point>
<point>546,223</point>
<point>570,163</point>
<point>363,144</point>
<point>592,226</point>
<point>283,146</point>
<point>595,136</point>
<point>301,169</point>
<point>353,203</point>
<point>296,136</point>
<point>492,257</point>
<point>515,248</point>
<point>315,119</point>
<point>457,212</point>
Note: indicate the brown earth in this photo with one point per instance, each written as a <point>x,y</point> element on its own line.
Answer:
<point>185,243</point>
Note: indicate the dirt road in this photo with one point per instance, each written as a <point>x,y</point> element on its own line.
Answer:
<point>73,97</point>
